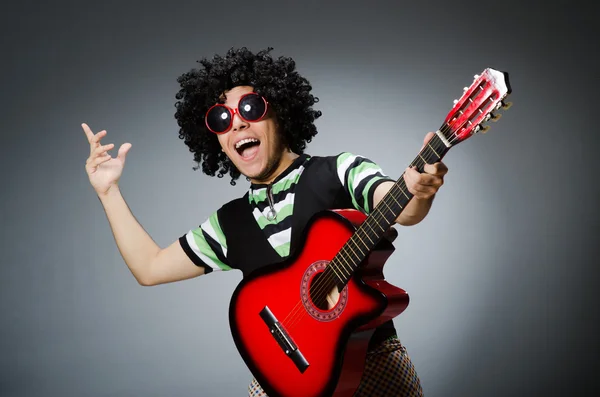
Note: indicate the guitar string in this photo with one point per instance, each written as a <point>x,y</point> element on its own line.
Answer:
<point>323,285</point>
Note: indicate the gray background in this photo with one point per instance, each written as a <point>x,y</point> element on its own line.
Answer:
<point>502,274</point>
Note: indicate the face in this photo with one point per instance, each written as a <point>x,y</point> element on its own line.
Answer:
<point>255,148</point>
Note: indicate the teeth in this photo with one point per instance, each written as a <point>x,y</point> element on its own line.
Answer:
<point>243,141</point>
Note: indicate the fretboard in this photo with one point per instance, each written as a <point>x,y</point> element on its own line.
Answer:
<point>382,217</point>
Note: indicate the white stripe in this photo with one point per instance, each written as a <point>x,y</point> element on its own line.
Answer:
<point>291,175</point>
<point>344,167</point>
<point>358,178</point>
<point>289,199</point>
<point>192,243</point>
<point>282,237</point>
<point>211,232</point>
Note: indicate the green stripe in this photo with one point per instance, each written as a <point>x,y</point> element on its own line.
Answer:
<point>285,211</point>
<point>206,250</point>
<point>258,197</point>
<point>353,174</point>
<point>342,157</point>
<point>283,250</point>
<point>279,186</point>
<point>214,222</point>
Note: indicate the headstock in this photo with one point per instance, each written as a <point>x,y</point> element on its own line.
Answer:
<point>478,105</point>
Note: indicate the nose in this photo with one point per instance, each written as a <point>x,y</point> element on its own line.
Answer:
<point>237,123</point>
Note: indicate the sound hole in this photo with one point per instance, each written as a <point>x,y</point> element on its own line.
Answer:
<point>320,295</point>
<point>323,291</point>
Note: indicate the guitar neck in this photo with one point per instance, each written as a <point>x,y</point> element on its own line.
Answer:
<point>475,107</point>
<point>393,203</point>
<point>383,215</point>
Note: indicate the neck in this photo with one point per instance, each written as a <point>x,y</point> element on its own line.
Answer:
<point>286,159</point>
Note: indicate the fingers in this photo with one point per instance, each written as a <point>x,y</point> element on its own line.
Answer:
<point>102,150</point>
<point>98,156</point>
<point>88,132</point>
<point>437,169</point>
<point>422,185</point>
<point>94,161</point>
<point>431,176</point>
<point>93,139</point>
<point>123,150</point>
<point>427,138</point>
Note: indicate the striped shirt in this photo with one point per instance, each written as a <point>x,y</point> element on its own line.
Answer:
<point>273,205</point>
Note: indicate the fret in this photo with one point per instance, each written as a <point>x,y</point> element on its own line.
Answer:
<point>338,275</point>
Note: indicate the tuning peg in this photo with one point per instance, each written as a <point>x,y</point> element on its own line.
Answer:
<point>495,117</point>
<point>455,101</point>
<point>465,88</point>
<point>475,77</point>
<point>484,129</point>
<point>506,105</point>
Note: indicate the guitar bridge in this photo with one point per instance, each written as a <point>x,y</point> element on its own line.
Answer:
<point>283,339</point>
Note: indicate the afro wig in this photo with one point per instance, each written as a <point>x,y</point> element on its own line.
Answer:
<point>277,80</point>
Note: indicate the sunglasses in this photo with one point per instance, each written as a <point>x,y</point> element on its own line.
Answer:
<point>251,107</point>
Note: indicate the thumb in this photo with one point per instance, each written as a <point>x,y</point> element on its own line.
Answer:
<point>428,137</point>
<point>123,151</point>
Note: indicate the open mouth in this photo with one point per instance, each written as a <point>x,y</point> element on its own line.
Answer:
<point>247,148</point>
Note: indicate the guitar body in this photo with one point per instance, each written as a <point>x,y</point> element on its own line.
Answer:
<point>329,343</point>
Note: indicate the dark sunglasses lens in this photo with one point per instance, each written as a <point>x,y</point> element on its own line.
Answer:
<point>218,118</point>
<point>252,107</point>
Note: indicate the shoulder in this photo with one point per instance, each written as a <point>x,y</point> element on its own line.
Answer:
<point>234,202</point>
<point>332,161</point>
<point>339,164</point>
<point>228,214</point>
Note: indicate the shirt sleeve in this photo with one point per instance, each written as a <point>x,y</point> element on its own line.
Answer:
<point>206,245</point>
<point>360,177</point>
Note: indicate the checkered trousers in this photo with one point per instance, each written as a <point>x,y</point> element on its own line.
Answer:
<point>388,373</point>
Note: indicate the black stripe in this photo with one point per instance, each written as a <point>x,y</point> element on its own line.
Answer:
<point>358,190</point>
<point>190,253</point>
<point>280,196</point>
<point>372,192</point>
<point>215,246</point>
<point>357,161</point>
<point>271,229</point>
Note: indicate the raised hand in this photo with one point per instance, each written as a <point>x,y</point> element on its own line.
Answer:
<point>103,170</point>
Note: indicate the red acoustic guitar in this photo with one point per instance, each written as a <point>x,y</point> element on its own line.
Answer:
<point>303,326</point>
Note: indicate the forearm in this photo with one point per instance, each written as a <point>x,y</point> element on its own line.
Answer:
<point>415,211</point>
<point>135,245</point>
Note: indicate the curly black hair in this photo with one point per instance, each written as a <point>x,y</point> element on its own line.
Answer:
<point>277,80</point>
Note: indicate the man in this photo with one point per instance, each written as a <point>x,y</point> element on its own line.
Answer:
<point>249,114</point>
